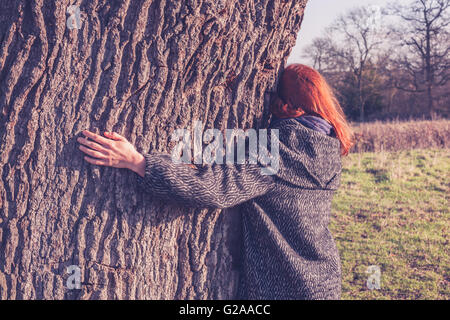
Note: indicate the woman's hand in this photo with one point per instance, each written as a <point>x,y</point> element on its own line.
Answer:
<point>114,151</point>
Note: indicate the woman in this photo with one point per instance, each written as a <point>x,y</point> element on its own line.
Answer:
<point>288,250</point>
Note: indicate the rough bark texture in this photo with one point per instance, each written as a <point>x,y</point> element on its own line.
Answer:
<point>143,69</point>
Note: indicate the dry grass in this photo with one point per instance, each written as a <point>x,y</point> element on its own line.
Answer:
<point>393,136</point>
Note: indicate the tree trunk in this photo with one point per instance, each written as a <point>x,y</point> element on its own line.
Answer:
<point>142,69</point>
<point>429,71</point>
<point>360,98</point>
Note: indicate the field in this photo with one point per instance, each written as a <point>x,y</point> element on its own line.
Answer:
<point>392,211</point>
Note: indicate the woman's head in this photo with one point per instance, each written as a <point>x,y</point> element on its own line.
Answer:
<point>303,90</point>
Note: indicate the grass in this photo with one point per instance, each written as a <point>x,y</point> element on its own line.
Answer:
<point>392,211</point>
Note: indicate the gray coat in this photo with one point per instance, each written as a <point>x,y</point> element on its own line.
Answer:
<point>288,250</point>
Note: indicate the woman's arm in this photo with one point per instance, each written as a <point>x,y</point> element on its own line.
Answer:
<point>216,185</point>
<point>213,186</point>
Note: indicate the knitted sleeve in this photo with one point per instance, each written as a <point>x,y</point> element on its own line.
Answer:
<point>209,186</point>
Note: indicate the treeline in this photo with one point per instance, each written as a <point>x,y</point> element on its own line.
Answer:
<point>388,62</point>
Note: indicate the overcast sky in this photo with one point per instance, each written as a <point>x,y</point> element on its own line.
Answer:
<point>318,15</point>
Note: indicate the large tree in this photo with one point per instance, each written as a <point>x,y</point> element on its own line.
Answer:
<point>143,69</point>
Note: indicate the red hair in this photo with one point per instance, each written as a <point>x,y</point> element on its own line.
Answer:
<point>303,90</point>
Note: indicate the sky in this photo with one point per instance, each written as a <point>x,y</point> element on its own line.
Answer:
<point>319,14</point>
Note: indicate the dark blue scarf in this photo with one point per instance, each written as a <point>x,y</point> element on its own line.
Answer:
<point>312,122</point>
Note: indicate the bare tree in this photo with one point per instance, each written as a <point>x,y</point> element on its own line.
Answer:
<point>361,37</point>
<point>141,68</point>
<point>319,52</point>
<point>422,66</point>
<point>349,45</point>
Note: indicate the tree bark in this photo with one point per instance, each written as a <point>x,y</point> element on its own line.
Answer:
<point>142,69</point>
